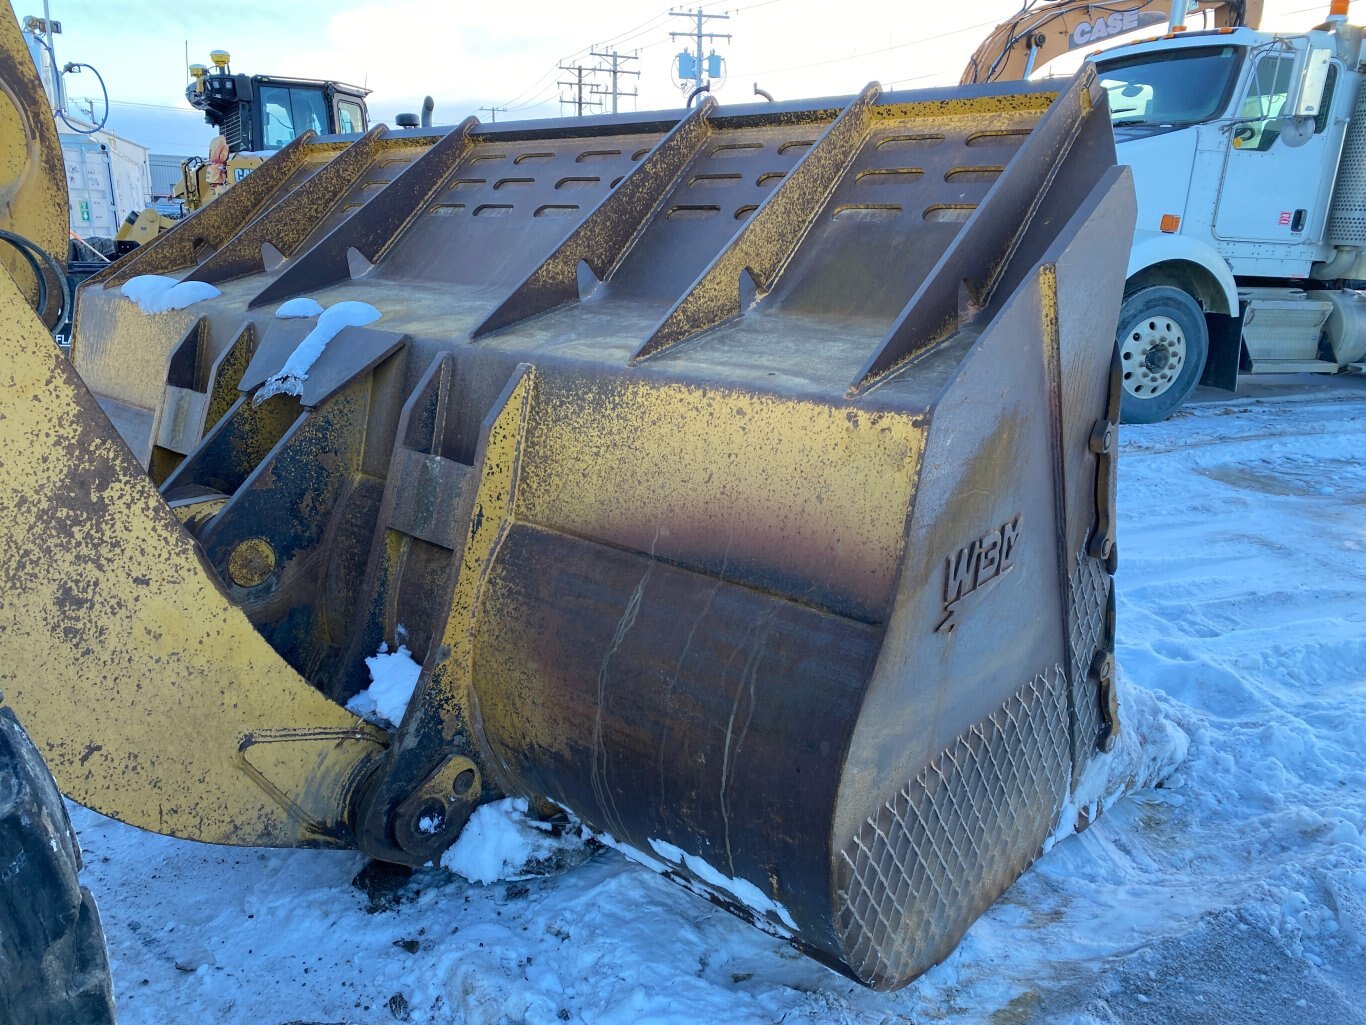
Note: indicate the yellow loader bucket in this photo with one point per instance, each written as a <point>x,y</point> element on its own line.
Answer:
<point>741,478</point>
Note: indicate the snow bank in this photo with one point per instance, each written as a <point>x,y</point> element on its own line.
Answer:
<point>393,678</point>
<point>289,380</point>
<point>156,293</point>
<point>500,843</point>
<point>301,307</point>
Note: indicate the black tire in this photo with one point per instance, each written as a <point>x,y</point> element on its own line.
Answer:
<point>1162,340</point>
<point>52,956</point>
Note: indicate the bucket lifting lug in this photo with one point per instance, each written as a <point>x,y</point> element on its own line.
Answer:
<point>1103,443</point>
<point>1102,674</point>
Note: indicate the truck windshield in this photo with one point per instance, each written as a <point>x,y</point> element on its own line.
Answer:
<point>1174,87</point>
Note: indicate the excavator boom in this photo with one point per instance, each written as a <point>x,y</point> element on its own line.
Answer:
<point>1045,29</point>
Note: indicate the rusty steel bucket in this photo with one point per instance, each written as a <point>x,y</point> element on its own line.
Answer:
<point>741,478</point>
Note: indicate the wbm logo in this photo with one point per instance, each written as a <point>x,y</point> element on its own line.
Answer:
<point>975,565</point>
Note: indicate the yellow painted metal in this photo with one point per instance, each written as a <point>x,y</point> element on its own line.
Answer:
<point>190,695</point>
<point>136,378</point>
<point>614,460</point>
<point>144,226</point>
<point>451,677</point>
<point>33,199</point>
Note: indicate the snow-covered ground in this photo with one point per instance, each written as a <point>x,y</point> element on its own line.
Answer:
<point>1235,893</point>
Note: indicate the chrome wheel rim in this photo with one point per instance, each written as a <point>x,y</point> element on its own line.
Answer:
<point>1152,354</point>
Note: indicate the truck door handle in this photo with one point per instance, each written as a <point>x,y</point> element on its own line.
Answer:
<point>1297,222</point>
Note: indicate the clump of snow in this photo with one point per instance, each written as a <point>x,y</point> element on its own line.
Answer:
<point>156,293</point>
<point>741,890</point>
<point>500,843</point>
<point>1149,749</point>
<point>393,678</point>
<point>301,307</point>
<point>290,378</point>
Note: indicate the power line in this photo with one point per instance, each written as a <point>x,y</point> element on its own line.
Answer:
<point>871,53</point>
<point>151,106</point>
<point>581,81</point>
<point>543,88</point>
<point>494,112</point>
<point>614,69</point>
<point>549,75</point>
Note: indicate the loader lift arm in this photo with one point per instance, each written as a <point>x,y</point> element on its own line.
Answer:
<point>1045,29</point>
<point>53,964</point>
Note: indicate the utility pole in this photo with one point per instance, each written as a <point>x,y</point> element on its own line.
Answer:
<point>494,112</point>
<point>615,61</point>
<point>697,35</point>
<point>580,73</point>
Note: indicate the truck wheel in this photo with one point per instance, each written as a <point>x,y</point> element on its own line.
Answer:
<point>1162,341</point>
<point>52,955</point>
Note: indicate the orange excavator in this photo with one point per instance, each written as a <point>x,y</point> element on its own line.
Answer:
<point>1045,29</point>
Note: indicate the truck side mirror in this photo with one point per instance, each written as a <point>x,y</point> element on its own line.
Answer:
<point>1307,84</point>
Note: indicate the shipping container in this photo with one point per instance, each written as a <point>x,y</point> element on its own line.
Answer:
<point>106,178</point>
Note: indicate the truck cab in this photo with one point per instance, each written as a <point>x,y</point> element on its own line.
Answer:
<point>1248,151</point>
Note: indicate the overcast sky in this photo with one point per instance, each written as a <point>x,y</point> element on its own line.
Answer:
<point>472,55</point>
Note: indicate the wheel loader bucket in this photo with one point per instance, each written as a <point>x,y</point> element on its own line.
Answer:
<point>742,480</point>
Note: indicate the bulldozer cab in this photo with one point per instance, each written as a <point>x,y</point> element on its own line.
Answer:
<point>265,112</point>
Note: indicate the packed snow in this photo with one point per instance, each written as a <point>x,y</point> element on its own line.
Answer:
<point>501,843</point>
<point>393,678</point>
<point>156,293</point>
<point>301,307</point>
<point>290,378</point>
<point>1234,892</point>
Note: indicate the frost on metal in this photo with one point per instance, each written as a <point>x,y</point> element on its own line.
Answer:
<point>765,908</point>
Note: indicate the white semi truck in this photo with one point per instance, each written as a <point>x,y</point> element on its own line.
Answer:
<point>1248,151</point>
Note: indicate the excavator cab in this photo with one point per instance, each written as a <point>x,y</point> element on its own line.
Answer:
<point>265,112</point>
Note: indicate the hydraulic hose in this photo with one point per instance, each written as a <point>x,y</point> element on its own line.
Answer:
<point>33,254</point>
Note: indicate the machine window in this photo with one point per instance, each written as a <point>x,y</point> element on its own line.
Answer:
<point>1178,87</point>
<point>277,121</point>
<point>310,111</point>
<point>1266,95</point>
<point>286,113</point>
<point>349,117</point>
